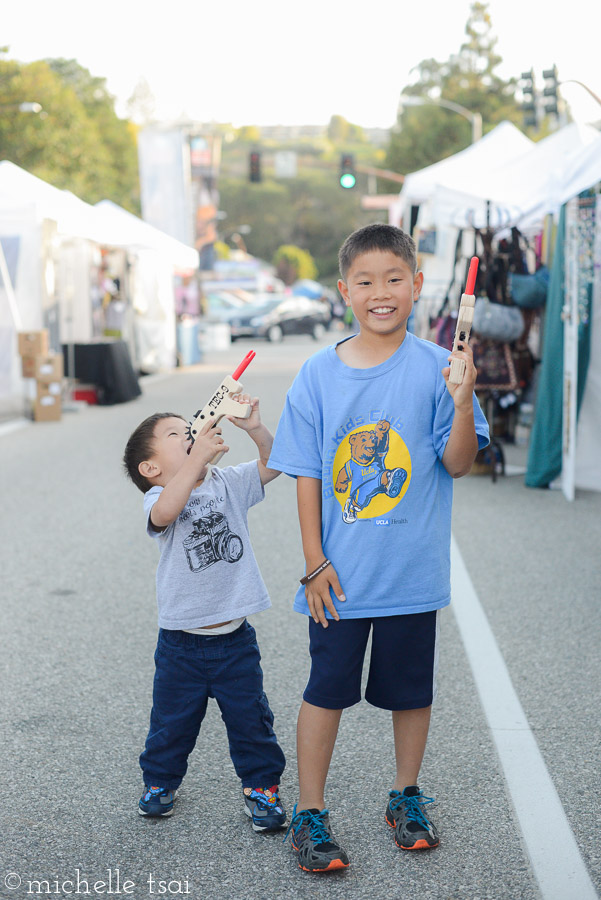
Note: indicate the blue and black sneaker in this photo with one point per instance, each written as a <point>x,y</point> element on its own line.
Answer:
<point>265,808</point>
<point>156,801</point>
<point>313,841</point>
<point>413,830</point>
<point>396,480</point>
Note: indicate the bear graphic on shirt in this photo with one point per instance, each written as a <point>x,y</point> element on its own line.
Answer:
<point>366,472</point>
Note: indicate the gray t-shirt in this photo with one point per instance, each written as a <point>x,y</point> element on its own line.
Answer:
<point>207,572</point>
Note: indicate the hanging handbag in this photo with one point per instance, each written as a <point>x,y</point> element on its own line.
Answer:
<point>496,321</point>
<point>529,291</point>
<point>494,362</point>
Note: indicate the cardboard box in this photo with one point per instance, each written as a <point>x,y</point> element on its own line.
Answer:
<point>43,368</point>
<point>28,366</point>
<point>47,406</point>
<point>33,343</point>
<point>48,368</point>
<point>55,388</point>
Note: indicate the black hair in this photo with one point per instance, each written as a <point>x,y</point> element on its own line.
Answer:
<point>377,237</point>
<point>140,446</point>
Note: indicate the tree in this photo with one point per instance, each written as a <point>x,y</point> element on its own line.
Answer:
<point>426,134</point>
<point>340,131</point>
<point>76,142</point>
<point>293,263</point>
<point>118,175</point>
<point>142,103</point>
<point>249,134</point>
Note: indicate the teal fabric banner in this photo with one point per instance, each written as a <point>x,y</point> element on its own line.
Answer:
<point>544,452</point>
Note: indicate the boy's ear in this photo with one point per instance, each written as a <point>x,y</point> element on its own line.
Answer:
<point>342,287</point>
<point>148,469</point>
<point>418,283</point>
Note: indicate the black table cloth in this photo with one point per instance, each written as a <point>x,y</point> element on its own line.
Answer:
<point>107,365</point>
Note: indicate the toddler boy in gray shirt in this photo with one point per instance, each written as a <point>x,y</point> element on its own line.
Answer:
<point>208,581</point>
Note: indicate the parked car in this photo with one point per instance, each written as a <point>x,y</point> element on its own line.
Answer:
<point>219,305</point>
<point>278,315</point>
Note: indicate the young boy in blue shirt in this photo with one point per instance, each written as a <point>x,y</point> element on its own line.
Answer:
<point>374,433</point>
<point>208,581</point>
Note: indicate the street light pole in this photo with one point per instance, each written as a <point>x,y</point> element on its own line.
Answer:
<point>474,118</point>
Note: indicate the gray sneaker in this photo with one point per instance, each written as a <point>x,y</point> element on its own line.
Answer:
<point>265,808</point>
<point>413,830</point>
<point>312,839</point>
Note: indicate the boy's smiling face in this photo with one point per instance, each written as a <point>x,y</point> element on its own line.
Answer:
<point>381,288</point>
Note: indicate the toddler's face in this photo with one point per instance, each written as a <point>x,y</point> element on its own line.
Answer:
<point>171,445</point>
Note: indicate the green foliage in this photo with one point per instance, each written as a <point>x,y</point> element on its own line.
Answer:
<point>423,135</point>
<point>76,142</point>
<point>310,211</point>
<point>341,131</point>
<point>293,263</point>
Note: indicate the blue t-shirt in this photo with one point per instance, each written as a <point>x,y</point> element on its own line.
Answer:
<point>375,438</point>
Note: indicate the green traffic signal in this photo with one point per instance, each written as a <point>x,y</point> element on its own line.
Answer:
<point>347,177</point>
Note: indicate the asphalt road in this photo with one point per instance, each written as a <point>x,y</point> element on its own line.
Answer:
<point>78,635</point>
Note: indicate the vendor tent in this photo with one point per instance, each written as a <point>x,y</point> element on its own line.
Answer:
<point>153,256</point>
<point>457,172</point>
<point>54,241</point>
<point>520,191</point>
<point>120,228</point>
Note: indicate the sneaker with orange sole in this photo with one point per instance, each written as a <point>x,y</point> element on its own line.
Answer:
<point>413,830</point>
<point>313,841</point>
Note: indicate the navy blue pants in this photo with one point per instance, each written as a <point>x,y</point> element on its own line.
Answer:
<point>190,668</point>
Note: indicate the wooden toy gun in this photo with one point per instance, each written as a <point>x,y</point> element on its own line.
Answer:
<point>465,317</point>
<point>221,404</point>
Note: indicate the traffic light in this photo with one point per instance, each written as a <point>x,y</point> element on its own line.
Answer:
<point>550,90</point>
<point>254,166</point>
<point>529,99</point>
<point>348,178</point>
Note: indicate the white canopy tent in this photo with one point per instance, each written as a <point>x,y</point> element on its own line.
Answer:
<point>55,241</point>
<point>471,190</point>
<point>503,143</point>
<point>521,190</point>
<point>502,180</point>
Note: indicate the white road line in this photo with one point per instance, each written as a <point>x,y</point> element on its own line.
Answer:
<point>554,855</point>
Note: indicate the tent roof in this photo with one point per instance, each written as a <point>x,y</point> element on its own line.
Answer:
<point>106,223</point>
<point>72,215</point>
<point>457,172</point>
<point>128,230</point>
<point>583,170</point>
<point>524,188</point>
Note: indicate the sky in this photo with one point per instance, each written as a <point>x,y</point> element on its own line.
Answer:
<point>272,62</point>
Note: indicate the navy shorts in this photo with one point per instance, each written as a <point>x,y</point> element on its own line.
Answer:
<point>402,666</point>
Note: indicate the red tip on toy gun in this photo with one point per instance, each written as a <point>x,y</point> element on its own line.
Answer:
<point>244,364</point>
<point>471,276</point>
<point>465,317</point>
<point>221,403</point>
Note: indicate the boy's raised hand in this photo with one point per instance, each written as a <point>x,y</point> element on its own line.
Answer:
<point>254,420</point>
<point>209,442</point>
<point>317,592</point>
<point>462,394</point>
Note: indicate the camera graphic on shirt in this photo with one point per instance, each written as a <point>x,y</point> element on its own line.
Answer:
<point>211,541</point>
